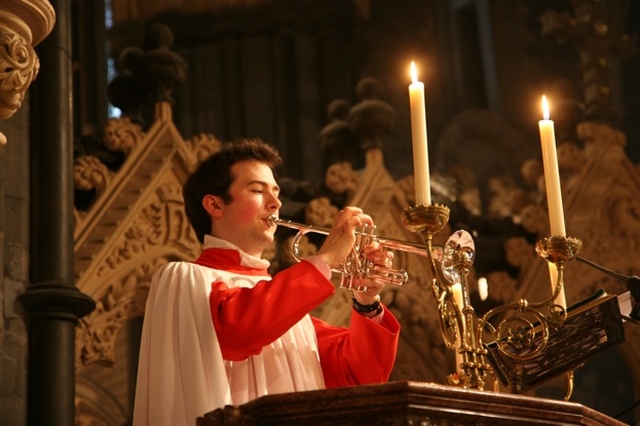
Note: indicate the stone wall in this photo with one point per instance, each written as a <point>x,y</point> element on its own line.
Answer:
<point>14,250</point>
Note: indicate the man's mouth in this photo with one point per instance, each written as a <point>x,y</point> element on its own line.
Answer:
<point>272,220</point>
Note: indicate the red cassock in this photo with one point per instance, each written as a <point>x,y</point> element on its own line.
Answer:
<point>248,319</point>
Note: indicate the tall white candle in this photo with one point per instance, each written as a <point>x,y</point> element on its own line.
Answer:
<point>551,173</point>
<point>419,137</point>
<point>554,192</point>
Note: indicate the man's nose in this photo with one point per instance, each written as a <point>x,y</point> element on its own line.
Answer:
<point>275,202</point>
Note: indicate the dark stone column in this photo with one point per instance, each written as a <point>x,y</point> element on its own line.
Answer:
<point>52,304</point>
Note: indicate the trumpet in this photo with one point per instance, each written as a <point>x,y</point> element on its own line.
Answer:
<point>357,266</point>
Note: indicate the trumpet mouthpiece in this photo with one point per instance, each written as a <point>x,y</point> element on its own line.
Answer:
<point>272,220</point>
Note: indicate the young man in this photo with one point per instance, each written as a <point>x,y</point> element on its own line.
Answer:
<point>221,331</point>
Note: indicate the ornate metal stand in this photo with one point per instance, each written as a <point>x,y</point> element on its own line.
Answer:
<point>523,328</point>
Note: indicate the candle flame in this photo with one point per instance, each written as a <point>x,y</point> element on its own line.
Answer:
<point>545,108</point>
<point>414,73</point>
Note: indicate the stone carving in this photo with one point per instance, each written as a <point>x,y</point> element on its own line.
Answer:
<point>202,145</point>
<point>320,212</point>
<point>90,173</point>
<point>341,178</point>
<point>139,238</point>
<point>24,24</point>
<point>122,135</point>
<point>123,300</point>
<point>19,66</point>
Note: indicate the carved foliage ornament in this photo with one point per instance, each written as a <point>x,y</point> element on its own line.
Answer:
<point>90,173</point>
<point>96,334</point>
<point>121,134</point>
<point>23,24</point>
<point>19,66</point>
<point>158,224</point>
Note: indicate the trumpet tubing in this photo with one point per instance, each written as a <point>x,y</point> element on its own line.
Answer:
<point>389,243</point>
<point>392,244</point>
<point>356,266</point>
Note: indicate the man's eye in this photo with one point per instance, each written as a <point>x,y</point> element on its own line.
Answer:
<point>258,191</point>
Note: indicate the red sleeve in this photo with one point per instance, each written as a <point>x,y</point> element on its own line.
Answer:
<point>361,354</point>
<point>247,319</point>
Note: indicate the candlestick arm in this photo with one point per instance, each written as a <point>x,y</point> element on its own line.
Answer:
<point>427,220</point>
<point>459,324</point>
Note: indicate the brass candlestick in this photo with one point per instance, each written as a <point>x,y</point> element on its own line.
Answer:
<point>522,330</point>
<point>459,324</point>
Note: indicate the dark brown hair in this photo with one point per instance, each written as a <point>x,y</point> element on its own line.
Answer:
<point>212,176</point>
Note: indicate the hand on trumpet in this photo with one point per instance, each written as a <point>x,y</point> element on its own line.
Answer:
<point>342,236</point>
<point>371,286</point>
<point>353,250</point>
<point>339,245</point>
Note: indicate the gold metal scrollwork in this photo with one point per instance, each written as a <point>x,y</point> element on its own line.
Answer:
<point>523,328</point>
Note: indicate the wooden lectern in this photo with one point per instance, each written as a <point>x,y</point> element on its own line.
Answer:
<point>404,403</point>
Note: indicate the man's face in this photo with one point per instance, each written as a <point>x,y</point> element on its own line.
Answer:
<point>254,197</point>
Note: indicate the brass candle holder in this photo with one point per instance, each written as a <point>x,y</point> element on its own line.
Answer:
<point>523,328</point>
<point>459,324</point>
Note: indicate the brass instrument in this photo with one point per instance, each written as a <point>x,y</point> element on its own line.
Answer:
<point>356,265</point>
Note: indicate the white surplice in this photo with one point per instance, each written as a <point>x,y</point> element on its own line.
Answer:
<point>181,372</point>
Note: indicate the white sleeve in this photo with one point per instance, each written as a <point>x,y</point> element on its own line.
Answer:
<point>321,266</point>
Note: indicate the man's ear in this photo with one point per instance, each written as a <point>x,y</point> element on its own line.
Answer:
<point>212,204</point>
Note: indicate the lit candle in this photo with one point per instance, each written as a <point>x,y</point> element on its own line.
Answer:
<point>419,135</point>
<point>554,193</point>
<point>551,173</point>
